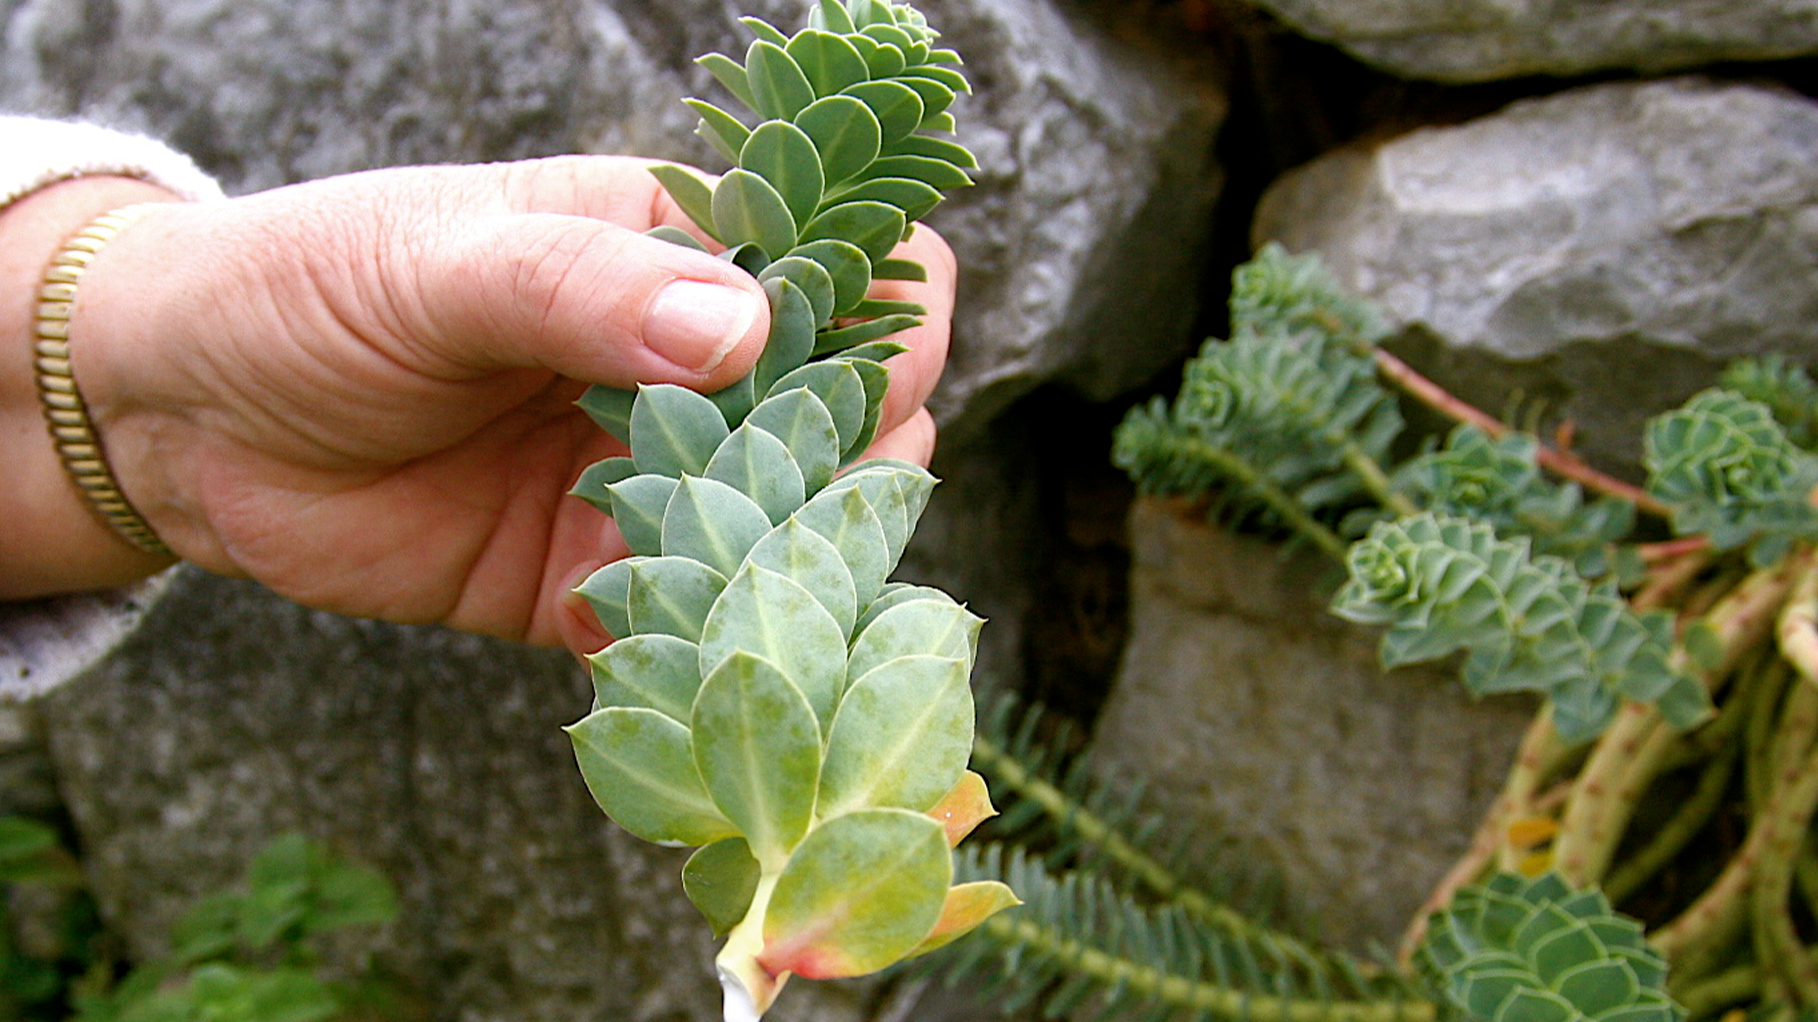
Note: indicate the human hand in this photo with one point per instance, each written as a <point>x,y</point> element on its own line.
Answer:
<point>358,391</point>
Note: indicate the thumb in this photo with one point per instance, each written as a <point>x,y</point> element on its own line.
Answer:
<point>589,300</point>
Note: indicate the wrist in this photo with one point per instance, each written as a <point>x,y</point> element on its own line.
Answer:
<point>54,540</point>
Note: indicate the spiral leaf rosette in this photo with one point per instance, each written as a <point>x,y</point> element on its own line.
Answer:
<point>772,698</point>
<point>1518,950</point>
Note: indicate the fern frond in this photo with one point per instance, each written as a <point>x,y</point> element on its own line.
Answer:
<point>1101,828</point>
<point>1499,481</point>
<point>1077,944</point>
<point>1727,469</point>
<point>1445,584</point>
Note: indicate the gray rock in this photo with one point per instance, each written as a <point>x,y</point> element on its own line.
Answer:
<point>1259,719</point>
<point>1484,40</point>
<point>1600,253</point>
<point>1078,244</point>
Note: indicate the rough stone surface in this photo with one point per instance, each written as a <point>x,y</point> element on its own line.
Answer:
<point>1484,40</point>
<point>1260,719</point>
<point>1600,253</point>
<point>1078,244</point>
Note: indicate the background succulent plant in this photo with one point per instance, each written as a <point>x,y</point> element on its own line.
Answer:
<point>772,698</point>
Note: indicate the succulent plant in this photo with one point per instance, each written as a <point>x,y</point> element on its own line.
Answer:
<point>771,697</point>
<point>1513,948</point>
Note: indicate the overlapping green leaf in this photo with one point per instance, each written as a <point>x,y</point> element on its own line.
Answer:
<point>639,765</point>
<point>758,749</point>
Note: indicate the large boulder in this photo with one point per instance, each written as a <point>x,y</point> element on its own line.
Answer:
<point>1261,721</point>
<point>1599,254</point>
<point>232,715</point>
<point>1486,40</point>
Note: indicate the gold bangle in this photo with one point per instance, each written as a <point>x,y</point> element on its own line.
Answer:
<point>64,411</point>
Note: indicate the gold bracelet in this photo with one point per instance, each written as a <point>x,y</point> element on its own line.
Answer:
<point>64,411</point>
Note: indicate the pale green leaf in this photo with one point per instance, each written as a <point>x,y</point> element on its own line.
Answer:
<point>675,236</point>
<point>674,430</point>
<point>831,16</point>
<point>720,880</point>
<point>846,264</point>
<point>792,334</point>
<point>900,269</point>
<point>952,78</point>
<point>607,591</point>
<point>892,594</point>
<point>760,466</point>
<point>933,148</point>
<point>770,615</point>
<point>937,627</point>
<point>758,750</point>
<point>876,381</point>
<point>713,523</point>
<point>829,61</point>
<point>691,194</point>
<point>874,227</point>
<point>735,402</point>
<point>939,174</point>
<point>658,672</point>
<point>748,211</point>
<point>591,486</point>
<point>764,30</point>
<point>813,280</point>
<point>889,34</point>
<point>840,388</point>
<point>845,133</point>
<point>640,767</point>
<point>915,198</point>
<point>806,557</point>
<point>898,107</point>
<point>847,521</point>
<point>862,892</point>
<point>610,409</point>
<point>829,341</point>
<point>778,87</point>
<point>724,132</point>
<point>671,596</point>
<point>731,74</point>
<point>942,121</point>
<point>894,493</point>
<point>883,61</point>
<point>784,156</point>
<point>638,504</point>
<point>936,96</point>
<point>901,738</point>
<point>802,422</point>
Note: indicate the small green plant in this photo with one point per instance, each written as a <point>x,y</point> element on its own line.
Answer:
<point>1679,674</point>
<point>33,981</point>
<point>250,955</point>
<point>771,698</point>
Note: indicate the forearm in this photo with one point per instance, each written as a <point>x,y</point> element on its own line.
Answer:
<point>52,541</point>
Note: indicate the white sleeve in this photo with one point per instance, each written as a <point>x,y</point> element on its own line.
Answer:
<point>44,643</point>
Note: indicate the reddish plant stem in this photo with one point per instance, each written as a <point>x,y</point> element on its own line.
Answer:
<point>1668,549</point>
<point>1560,463</point>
